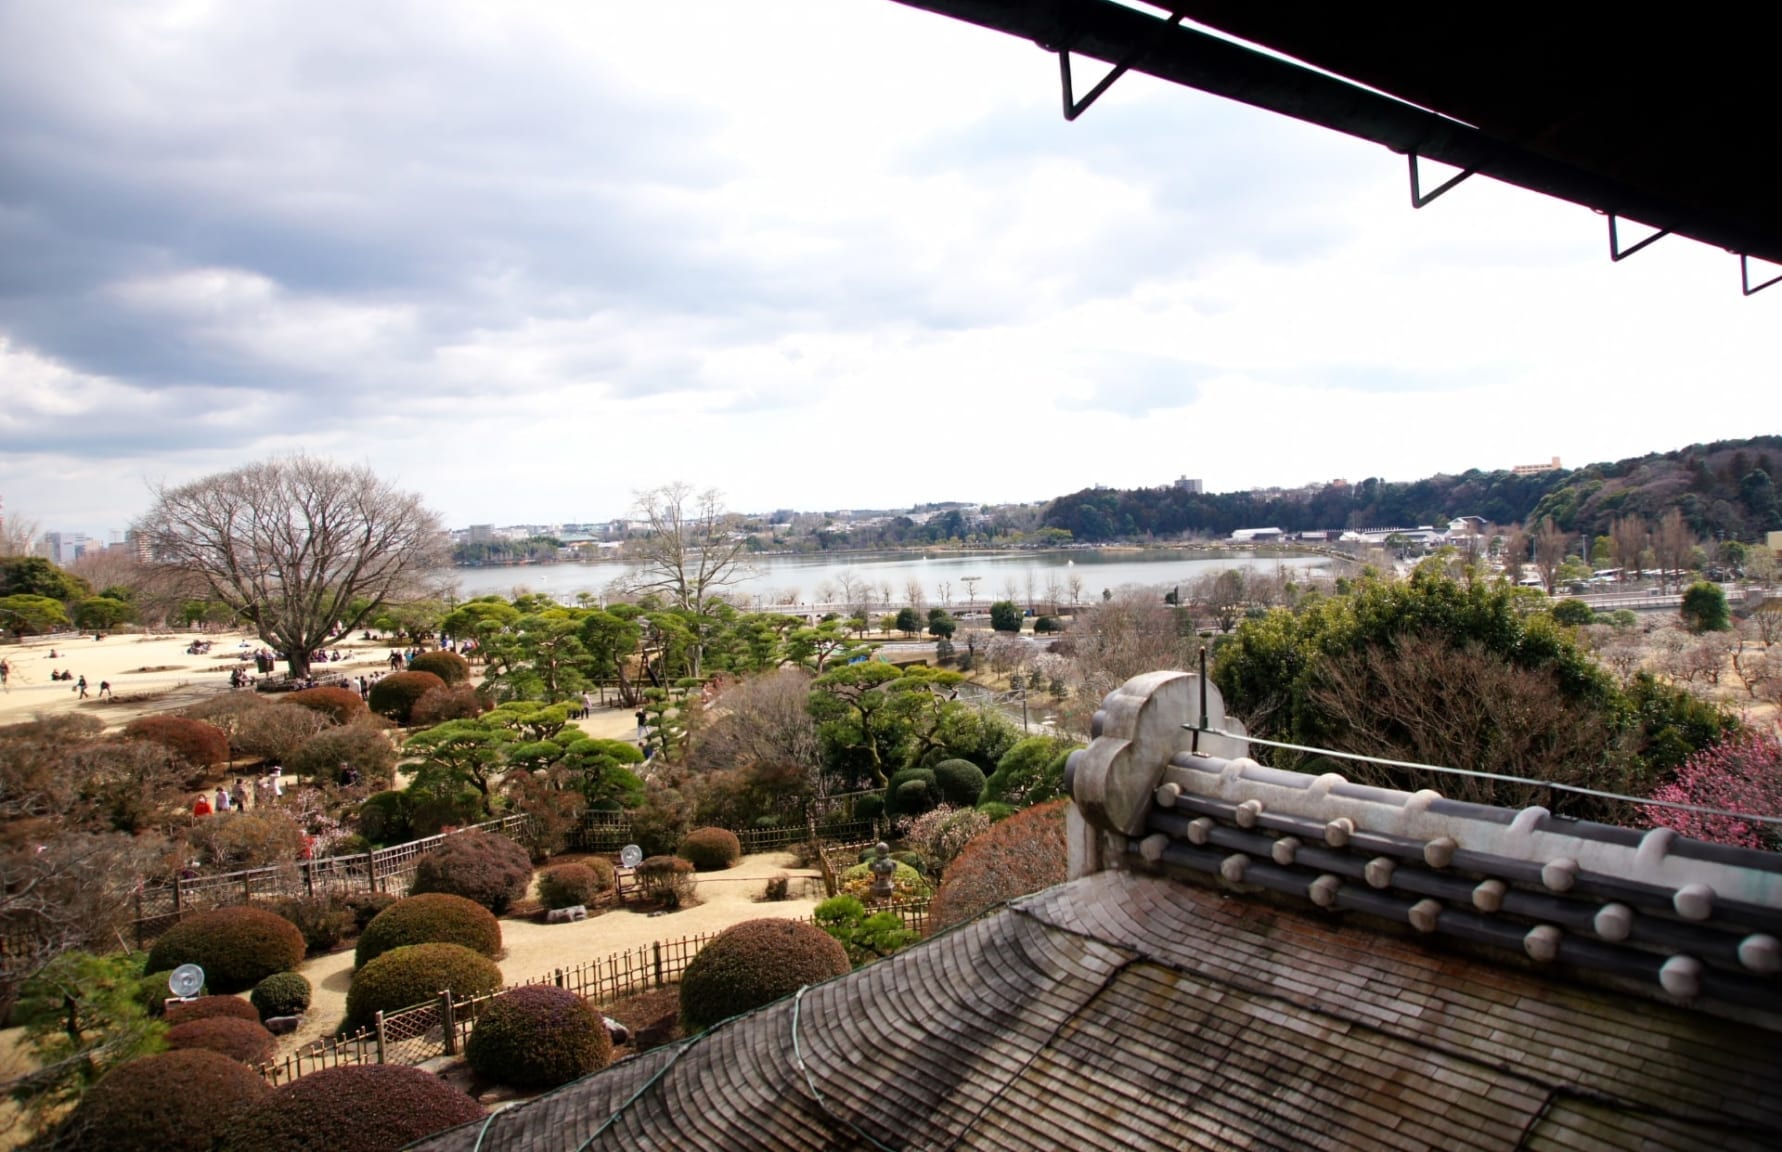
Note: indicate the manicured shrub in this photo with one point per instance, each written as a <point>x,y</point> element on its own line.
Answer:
<point>404,977</point>
<point>755,963</point>
<point>1030,772</point>
<point>324,920</point>
<point>906,882</point>
<point>338,704</point>
<point>170,1102</point>
<point>365,1108</point>
<point>434,918</point>
<point>1574,612</point>
<point>361,746</point>
<point>481,866</point>
<point>237,947</point>
<point>211,1008</point>
<point>779,887</point>
<point>1017,856</point>
<point>959,782</point>
<point>395,695</point>
<point>275,732</point>
<point>432,812</point>
<point>448,666</point>
<point>869,807</point>
<point>232,841</point>
<point>667,880</point>
<point>245,1040</point>
<point>192,742</point>
<point>711,849</point>
<point>452,702</point>
<point>282,994</point>
<point>911,792</point>
<point>567,885</point>
<point>538,1037</point>
<point>367,905</point>
<point>384,818</point>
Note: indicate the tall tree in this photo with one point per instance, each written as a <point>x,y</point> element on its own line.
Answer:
<point>1627,541</point>
<point>1675,544</point>
<point>303,549</point>
<point>692,548</point>
<point>1550,545</point>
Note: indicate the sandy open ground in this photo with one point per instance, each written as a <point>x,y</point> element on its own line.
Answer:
<point>533,949</point>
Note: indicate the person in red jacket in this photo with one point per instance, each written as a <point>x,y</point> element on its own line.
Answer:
<point>201,806</point>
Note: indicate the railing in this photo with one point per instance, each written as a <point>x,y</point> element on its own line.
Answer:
<point>382,870</point>
<point>442,1026</point>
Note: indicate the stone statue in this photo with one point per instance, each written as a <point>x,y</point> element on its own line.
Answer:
<point>883,870</point>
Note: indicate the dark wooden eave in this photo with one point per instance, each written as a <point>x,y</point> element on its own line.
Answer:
<point>1667,120</point>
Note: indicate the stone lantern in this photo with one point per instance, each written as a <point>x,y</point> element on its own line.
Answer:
<point>883,870</point>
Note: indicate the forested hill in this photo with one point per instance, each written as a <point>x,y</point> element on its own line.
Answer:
<point>1725,488</point>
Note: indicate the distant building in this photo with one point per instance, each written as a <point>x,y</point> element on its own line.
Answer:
<point>1536,469</point>
<point>1187,485</point>
<point>1256,535</point>
<point>479,534</point>
<point>64,548</point>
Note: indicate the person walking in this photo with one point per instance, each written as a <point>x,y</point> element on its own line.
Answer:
<point>81,687</point>
<point>222,800</point>
<point>5,676</point>
<point>105,690</point>
<point>201,806</point>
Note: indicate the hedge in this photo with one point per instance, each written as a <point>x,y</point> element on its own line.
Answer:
<point>432,918</point>
<point>711,849</point>
<point>481,866</point>
<point>755,963</point>
<point>237,947</point>
<point>538,1037</point>
<point>282,994</point>
<point>415,974</point>
<point>448,666</point>
<point>338,704</point>
<point>1016,857</point>
<point>245,1040</point>
<point>209,1008</point>
<point>179,1101</point>
<point>196,743</point>
<point>395,695</point>
<point>366,1108</point>
<point>567,885</point>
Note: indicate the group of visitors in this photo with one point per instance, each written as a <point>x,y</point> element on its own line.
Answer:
<point>266,789</point>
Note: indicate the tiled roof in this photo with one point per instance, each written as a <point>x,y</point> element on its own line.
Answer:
<point>1258,1005</point>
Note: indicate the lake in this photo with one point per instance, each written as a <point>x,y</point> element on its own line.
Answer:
<point>951,579</point>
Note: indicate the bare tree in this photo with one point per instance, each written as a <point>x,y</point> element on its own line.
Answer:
<point>1132,631</point>
<point>1674,543</point>
<point>913,594</point>
<point>691,549</point>
<point>1515,553</point>
<point>1424,701</point>
<point>1075,583</point>
<point>303,549</point>
<point>1627,540</point>
<point>1550,546</point>
<point>1054,590</point>
<point>17,537</point>
<point>853,588</point>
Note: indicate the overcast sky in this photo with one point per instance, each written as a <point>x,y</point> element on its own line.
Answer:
<point>526,258</point>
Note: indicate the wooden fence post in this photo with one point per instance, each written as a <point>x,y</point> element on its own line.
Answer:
<point>309,877</point>
<point>379,1021</point>
<point>371,868</point>
<point>448,1023</point>
<point>656,948</point>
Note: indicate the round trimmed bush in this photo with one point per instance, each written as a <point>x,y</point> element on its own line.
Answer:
<point>414,974</point>
<point>711,849</point>
<point>538,1037</point>
<point>384,817</point>
<point>567,885</point>
<point>179,1101</point>
<point>196,743</point>
<point>755,963</point>
<point>281,994</point>
<point>481,866</point>
<point>1015,857</point>
<point>395,695</point>
<point>869,807</point>
<point>359,746</point>
<point>237,947</point>
<point>448,666</point>
<point>434,918</point>
<point>245,1040</point>
<point>911,792</point>
<point>366,1108</point>
<point>959,782</point>
<point>338,704</point>
<point>210,1008</point>
<point>667,880</point>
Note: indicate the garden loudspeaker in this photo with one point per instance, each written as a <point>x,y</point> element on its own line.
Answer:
<point>185,981</point>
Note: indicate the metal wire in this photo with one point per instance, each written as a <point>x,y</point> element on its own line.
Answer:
<point>811,1083</point>
<point>1700,809</point>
